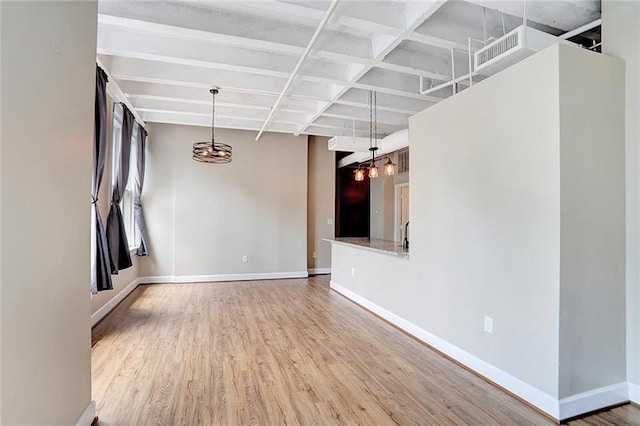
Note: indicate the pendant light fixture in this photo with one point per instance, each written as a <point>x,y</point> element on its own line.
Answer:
<point>389,168</point>
<point>212,152</point>
<point>372,169</point>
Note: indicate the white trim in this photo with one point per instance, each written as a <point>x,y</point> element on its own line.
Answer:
<point>108,307</point>
<point>225,277</point>
<point>634,393</point>
<point>319,271</point>
<point>535,396</point>
<point>592,400</point>
<point>87,416</point>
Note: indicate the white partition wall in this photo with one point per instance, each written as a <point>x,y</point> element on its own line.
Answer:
<point>517,216</point>
<point>48,88</point>
<point>621,38</point>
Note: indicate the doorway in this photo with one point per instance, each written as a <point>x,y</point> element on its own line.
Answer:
<point>401,209</point>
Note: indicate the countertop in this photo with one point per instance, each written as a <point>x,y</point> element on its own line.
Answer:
<point>373,244</point>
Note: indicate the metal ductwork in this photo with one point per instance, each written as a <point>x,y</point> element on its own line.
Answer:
<point>394,142</point>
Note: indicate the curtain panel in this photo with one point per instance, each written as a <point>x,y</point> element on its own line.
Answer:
<point>140,224</point>
<point>100,263</point>
<point>116,235</point>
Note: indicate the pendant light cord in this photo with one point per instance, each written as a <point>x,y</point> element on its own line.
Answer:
<point>370,119</point>
<point>213,118</point>
<point>373,124</point>
<point>375,119</point>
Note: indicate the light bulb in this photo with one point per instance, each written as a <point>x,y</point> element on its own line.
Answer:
<point>373,171</point>
<point>222,153</point>
<point>389,168</point>
<point>359,175</point>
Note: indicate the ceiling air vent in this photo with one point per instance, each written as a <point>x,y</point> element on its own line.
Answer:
<point>511,48</point>
<point>403,161</point>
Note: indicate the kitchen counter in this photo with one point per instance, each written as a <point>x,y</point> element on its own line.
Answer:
<point>392,248</point>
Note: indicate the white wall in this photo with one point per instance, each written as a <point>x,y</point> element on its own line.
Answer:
<point>488,202</point>
<point>485,225</point>
<point>592,273</point>
<point>621,38</point>
<point>203,218</point>
<point>321,203</point>
<point>48,77</point>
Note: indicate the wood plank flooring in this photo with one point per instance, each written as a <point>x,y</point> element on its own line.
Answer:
<point>283,352</point>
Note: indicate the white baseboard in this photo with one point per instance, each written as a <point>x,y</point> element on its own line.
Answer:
<point>87,416</point>
<point>536,397</point>
<point>634,393</point>
<point>592,400</point>
<point>108,307</point>
<point>319,271</point>
<point>226,277</point>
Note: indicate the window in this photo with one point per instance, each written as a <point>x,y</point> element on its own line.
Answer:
<point>126,203</point>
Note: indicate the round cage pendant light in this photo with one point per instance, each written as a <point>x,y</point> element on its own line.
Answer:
<point>212,152</point>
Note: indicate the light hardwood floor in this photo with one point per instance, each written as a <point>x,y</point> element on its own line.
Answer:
<point>283,352</point>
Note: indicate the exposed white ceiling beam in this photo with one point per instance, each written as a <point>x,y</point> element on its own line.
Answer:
<point>147,101</point>
<point>171,117</point>
<point>222,109</point>
<point>347,113</point>
<point>380,108</point>
<point>128,43</point>
<point>222,122</point>
<point>200,23</point>
<point>576,13</point>
<point>398,92</point>
<point>581,29</point>
<point>437,42</point>
<point>221,116</point>
<point>294,73</point>
<point>413,71</point>
<point>167,73</point>
<point>135,90</point>
<point>416,14</point>
<point>306,13</point>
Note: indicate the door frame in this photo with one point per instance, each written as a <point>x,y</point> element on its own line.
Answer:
<point>397,191</point>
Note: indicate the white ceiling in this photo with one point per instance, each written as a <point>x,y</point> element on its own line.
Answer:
<point>166,55</point>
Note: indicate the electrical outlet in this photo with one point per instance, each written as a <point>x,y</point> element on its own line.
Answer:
<point>353,272</point>
<point>330,221</point>
<point>488,324</point>
<point>314,255</point>
<point>245,259</point>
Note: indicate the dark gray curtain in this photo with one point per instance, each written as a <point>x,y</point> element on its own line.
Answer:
<point>100,273</point>
<point>137,192</point>
<point>116,235</point>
